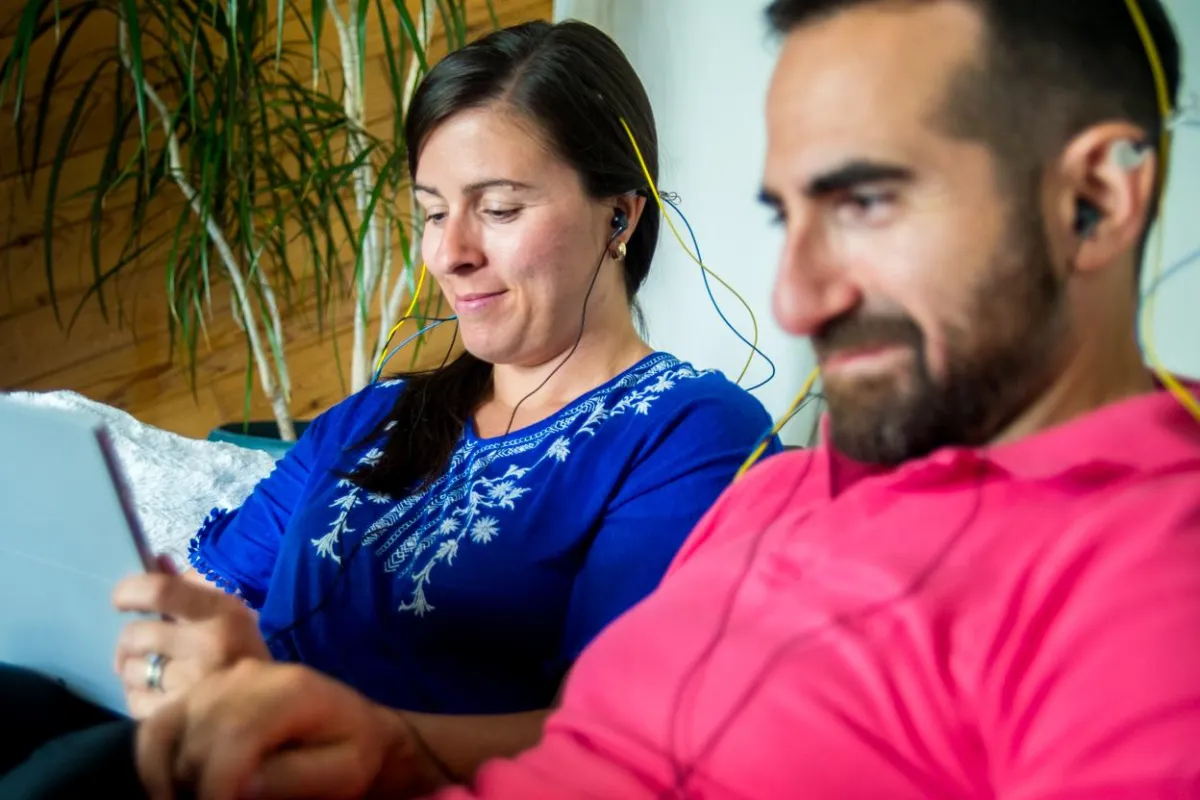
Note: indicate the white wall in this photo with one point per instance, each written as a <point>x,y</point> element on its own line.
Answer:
<point>706,65</point>
<point>1176,318</point>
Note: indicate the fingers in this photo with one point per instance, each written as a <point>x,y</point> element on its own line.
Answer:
<point>234,722</point>
<point>175,675</point>
<point>331,771</point>
<point>256,715</point>
<point>142,637</point>
<point>142,703</point>
<point>157,739</point>
<point>219,768</point>
<point>170,595</point>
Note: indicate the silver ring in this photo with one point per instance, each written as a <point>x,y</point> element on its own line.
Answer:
<point>154,671</point>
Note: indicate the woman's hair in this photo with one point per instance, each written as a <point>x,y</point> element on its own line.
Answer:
<point>576,84</point>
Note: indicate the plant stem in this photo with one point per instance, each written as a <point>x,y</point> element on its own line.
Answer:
<point>396,296</point>
<point>354,103</point>
<point>271,388</point>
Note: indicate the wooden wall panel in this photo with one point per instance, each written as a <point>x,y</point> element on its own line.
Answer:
<point>126,360</point>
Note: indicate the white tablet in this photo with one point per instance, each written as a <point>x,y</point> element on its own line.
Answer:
<point>68,534</point>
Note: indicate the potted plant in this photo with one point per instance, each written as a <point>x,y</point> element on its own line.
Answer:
<point>258,143</point>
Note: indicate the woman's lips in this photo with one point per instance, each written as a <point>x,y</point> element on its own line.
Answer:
<point>477,301</point>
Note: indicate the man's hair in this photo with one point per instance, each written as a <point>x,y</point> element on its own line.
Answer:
<point>1051,69</point>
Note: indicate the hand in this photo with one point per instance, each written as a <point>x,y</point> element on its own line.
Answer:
<point>205,630</point>
<point>273,731</point>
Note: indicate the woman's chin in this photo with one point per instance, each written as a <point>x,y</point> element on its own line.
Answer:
<point>487,348</point>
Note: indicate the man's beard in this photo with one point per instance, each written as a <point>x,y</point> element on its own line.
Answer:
<point>993,369</point>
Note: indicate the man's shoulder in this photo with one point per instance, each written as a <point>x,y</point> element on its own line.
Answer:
<point>790,479</point>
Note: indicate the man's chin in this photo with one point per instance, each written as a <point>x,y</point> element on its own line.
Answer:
<point>873,423</point>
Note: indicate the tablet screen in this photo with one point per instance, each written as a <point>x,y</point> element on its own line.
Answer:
<point>68,534</point>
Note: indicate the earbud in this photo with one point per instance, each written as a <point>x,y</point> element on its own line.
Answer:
<point>620,222</point>
<point>1128,155</point>
<point>1087,217</point>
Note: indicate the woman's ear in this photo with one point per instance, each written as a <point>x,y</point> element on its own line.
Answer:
<point>631,205</point>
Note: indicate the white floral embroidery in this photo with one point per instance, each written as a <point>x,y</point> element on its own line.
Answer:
<point>559,450</point>
<point>484,530</point>
<point>448,550</point>
<point>345,504</point>
<point>427,529</point>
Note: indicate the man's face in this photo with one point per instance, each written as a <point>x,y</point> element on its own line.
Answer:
<point>922,277</point>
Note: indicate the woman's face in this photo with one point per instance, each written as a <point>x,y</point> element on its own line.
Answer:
<point>512,238</point>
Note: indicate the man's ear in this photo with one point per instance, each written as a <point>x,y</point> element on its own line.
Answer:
<point>1108,180</point>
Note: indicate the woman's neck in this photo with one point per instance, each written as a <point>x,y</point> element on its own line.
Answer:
<point>600,356</point>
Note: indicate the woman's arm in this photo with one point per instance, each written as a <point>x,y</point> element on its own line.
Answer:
<point>458,745</point>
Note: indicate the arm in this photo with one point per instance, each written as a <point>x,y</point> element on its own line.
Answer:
<point>675,481</point>
<point>236,550</point>
<point>282,730</point>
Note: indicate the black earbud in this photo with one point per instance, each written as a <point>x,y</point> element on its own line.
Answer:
<point>1087,217</point>
<point>620,222</point>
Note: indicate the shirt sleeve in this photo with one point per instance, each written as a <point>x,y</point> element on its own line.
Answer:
<point>1099,695</point>
<point>237,549</point>
<point>675,481</point>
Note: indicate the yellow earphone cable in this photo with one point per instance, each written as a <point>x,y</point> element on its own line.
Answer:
<point>778,426</point>
<point>403,319</point>
<point>1163,93</point>
<point>679,238</point>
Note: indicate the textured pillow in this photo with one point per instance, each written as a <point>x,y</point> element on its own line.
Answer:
<point>175,481</point>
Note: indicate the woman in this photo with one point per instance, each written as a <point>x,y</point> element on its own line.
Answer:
<point>448,542</point>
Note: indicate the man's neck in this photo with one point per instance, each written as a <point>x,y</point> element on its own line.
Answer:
<point>1096,374</point>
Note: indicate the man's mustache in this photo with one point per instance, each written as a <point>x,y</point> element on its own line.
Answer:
<point>858,331</point>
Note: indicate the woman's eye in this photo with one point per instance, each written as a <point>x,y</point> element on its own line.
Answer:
<point>435,217</point>
<point>500,214</point>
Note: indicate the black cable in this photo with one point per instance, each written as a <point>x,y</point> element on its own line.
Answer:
<point>701,661</point>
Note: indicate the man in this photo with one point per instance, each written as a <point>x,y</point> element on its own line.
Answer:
<point>987,582</point>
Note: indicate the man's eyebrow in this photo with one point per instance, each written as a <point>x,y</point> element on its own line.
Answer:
<point>856,173</point>
<point>479,186</point>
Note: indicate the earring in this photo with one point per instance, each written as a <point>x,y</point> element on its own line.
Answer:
<point>620,254</point>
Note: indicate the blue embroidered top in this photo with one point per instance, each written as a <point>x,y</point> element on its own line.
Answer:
<point>476,595</point>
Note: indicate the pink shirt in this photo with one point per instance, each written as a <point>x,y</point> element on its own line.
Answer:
<point>1021,622</point>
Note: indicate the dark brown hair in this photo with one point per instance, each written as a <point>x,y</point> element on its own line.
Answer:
<point>1051,69</point>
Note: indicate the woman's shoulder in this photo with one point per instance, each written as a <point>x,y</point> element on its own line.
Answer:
<point>680,384</point>
<point>665,392</point>
<point>354,419</point>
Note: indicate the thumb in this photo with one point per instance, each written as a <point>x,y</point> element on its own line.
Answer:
<point>331,770</point>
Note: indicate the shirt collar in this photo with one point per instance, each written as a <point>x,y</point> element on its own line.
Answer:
<point>1145,433</point>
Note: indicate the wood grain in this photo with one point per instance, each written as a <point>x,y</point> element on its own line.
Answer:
<point>126,360</point>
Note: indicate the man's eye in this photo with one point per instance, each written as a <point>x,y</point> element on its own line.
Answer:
<point>865,207</point>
